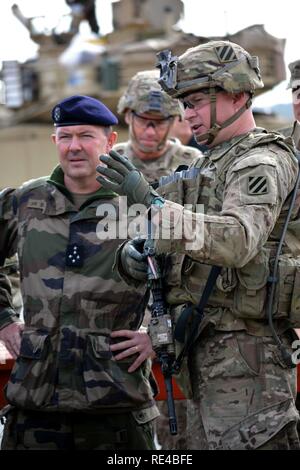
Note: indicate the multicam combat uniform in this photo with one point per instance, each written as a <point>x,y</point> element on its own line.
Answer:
<point>243,393</point>
<point>11,269</point>
<point>242,390</point>
<point>72,302</point>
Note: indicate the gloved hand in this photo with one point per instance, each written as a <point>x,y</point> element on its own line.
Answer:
<point>122,177</point>
<point>133,261</point>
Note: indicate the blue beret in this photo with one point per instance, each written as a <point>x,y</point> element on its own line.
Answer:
<point>77,110</point>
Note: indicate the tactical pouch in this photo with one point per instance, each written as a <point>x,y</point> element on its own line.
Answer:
<point>288,292</point>
<point>250,294</point>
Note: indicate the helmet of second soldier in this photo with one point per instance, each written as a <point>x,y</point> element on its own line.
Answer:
<point>220,64</point>
<point>144,95</point>
<point>294,82</point>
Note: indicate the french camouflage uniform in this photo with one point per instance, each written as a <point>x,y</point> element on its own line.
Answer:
<point>72,302</point>
<point>238,194</point>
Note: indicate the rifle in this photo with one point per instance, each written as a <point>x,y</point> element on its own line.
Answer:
<point>160,328</point>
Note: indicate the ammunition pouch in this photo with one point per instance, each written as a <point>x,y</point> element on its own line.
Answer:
<point>245,290</point>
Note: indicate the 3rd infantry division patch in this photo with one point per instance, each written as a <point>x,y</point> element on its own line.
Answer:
<point>257,185</point>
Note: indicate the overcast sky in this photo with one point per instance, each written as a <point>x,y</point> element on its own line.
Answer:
<point>281,19</point>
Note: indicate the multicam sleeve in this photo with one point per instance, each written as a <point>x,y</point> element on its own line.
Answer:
<point>7,312</point>
<point>255,191</point>
<point>7,248</point>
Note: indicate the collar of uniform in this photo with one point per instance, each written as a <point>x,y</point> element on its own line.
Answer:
<point>57,178</point>
<point>219,150</point>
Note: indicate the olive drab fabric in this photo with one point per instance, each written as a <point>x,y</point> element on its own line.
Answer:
<point>72,302</point>
<point>214,64</point>
<point>144,95</point>
<point>175,155</point>
<point>235,182</point>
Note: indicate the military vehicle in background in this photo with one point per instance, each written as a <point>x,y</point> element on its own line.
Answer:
<point>141,29</point>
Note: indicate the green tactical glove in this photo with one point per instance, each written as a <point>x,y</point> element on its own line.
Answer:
<point>133,260</point>
<point>122,177</point>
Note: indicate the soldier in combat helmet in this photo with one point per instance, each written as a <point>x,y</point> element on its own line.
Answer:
<point>242,379</point>
<point>149,113</point>
<point>294,85</point>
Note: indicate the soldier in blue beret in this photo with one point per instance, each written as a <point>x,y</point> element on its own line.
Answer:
<point>81,375</point>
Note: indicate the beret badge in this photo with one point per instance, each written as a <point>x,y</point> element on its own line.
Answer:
<point>57,114</point>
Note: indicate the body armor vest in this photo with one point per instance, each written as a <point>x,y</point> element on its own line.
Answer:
<point>242,292</point>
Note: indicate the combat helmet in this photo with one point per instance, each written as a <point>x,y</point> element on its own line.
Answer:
<point>210,67</point>
<point>294,82</point>
<point>220,64</point>
<point>144,95</point>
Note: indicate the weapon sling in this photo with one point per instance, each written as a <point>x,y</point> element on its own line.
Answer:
<point>199,309</point>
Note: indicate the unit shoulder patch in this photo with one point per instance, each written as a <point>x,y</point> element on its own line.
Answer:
<point>258,185</point>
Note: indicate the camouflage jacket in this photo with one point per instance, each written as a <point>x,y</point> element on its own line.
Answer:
<point>72,302</point>
<point>177,154</point>
<point>294,132</point>
<point>237,196</point>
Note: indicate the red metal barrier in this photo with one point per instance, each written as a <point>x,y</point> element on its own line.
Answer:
<point>162,395</point>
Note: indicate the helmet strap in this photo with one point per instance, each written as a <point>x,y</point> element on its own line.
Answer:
<point>215,128</point>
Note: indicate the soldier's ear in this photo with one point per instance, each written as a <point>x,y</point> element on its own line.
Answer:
<point>112,138</point>
<point>238,97</point>
<point>53,138</point>
<point>127,117</point>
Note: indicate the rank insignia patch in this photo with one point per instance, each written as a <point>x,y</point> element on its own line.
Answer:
<point>258,185</point>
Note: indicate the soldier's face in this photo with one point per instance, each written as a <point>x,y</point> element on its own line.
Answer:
<point>150,131</point>
<point>296,102</point>
<point>198,114</point>
<point>79,148</point>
